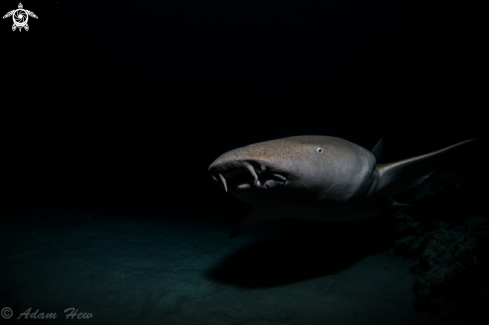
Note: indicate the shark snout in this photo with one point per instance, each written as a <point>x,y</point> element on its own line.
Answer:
<point>241,173</point>
<point>244,174</point>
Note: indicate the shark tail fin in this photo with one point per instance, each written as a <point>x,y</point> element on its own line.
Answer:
<point>397,177</point>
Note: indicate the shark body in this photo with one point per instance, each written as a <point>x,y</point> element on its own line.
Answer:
<point>319,178</point>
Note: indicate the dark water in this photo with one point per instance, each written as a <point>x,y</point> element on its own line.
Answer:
<point>112,111</point>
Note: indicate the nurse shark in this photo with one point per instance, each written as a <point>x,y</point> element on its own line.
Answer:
<point>319,178</point>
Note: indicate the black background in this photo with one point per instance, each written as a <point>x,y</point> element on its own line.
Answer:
<point>117,101</point>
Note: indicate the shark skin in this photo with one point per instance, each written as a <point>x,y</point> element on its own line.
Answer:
<point>319,178</point>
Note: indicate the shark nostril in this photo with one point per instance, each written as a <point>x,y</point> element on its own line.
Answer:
<point>223,182</point>
<point>252,171</point>
<point>244,175</point>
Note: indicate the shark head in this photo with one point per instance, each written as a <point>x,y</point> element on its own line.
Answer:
<point>317,178</point>
<point>325,168</point>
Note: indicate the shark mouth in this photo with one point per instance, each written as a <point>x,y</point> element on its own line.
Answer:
<point>246,176</point>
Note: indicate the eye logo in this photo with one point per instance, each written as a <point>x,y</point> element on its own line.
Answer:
<point>20,17</point>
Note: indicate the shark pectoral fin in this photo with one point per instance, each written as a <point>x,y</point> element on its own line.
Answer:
<point>254,217</point>
<point>401,206</point>
<point>397,177</point>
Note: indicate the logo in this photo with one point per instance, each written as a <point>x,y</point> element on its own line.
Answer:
<point>20,17</point>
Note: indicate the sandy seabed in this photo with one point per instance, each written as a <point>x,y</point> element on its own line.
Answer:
<point>125,269</point>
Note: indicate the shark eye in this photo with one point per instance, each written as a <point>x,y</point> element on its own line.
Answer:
<point>320,150</point>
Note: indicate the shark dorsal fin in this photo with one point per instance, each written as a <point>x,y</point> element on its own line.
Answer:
<point>377,150</point>
<point>397,177</point>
